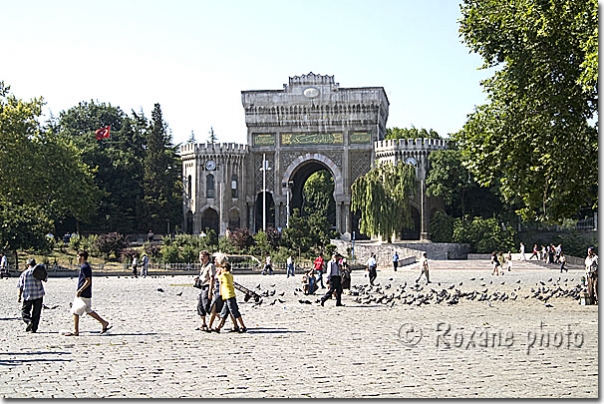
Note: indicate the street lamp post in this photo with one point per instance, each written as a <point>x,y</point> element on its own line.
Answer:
<point>264,168</point>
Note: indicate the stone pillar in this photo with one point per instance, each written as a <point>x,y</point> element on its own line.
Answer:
<point>423,228</point>
<point>347,219</point>
<point>339,217</point>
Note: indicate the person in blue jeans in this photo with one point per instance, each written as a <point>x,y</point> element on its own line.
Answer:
<point>290,266</point>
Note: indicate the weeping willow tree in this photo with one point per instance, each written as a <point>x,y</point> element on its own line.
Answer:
<point>382,197</point>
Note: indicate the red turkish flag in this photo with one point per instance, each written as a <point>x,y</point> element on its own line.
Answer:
<point>103,133</point>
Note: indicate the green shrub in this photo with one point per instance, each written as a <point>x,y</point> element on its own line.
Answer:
<point>110,243</point>
<point>483,235</point>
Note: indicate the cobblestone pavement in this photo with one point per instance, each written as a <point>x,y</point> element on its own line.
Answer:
<point>492,349</point>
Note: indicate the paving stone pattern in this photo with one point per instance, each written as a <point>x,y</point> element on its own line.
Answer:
<point>301,350</point>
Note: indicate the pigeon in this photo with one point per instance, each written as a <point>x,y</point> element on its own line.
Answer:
<point>273,302</point>
<point>472,279</point>
<point>272,293</point>
<point>542,283</point>
<point>460,283</point>
<point>304,301</point>
<point>258,286</point>
<point>390,279</point>
<point>282,294</point>
<point>518,281</point>
<point>160,290</point>
<point>273,285</point>
<point>295,294</point>
<point>281,301</point>
<point>548,305</point>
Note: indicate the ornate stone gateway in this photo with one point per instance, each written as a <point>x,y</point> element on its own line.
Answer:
<point>310,125</point>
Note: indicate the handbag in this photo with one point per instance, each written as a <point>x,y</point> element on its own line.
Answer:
<point>197,283</point>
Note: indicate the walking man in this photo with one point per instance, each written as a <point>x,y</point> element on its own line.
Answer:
<point>334,280</point>
<point>372,268</point>
<point>522,251</point>
<point>591,272</point>
<point>395,261</point>
<point>32,291</point>
<point>83,300</point>
<point>145,263</point>
<point>3,265</point>
<point>424,268</point>
<point>290,266</point>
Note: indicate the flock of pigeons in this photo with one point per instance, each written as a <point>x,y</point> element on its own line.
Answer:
<point>419,295</point>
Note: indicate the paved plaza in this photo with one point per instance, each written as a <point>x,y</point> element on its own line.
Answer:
<point>514,348</point>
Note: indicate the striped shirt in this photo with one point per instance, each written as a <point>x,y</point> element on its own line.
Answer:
<point>32,287</point>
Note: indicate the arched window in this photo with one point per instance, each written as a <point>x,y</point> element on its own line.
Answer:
<point>189,187</point>
<point>210,193</point>
<point>234,187</point>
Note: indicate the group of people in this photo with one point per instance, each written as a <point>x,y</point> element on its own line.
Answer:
<point>314,276</point>
<point>31,292</point>
<point>550,254</point>
<point>217,297</point>
<point>144,266</point>
<point>498,259</point>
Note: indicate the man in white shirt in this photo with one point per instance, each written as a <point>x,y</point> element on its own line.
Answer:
<point>424,268</point>
<point>3,265</point>
<point>334,279</point>
<point>591,273</point>
<point>372,268</point>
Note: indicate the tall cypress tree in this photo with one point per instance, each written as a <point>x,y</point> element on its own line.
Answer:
<point>161,207</point>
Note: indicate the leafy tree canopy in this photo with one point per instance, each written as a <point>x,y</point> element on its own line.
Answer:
<point>537,137</point>
<point>41,173</point>
<point>411,133</point>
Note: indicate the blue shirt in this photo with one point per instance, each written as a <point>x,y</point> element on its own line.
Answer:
<point>85,272</point>
<point>32,287</point>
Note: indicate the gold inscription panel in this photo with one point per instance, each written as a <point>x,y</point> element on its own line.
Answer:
<point>300,139</point>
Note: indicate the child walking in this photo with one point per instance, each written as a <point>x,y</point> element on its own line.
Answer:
<point>227,292</point>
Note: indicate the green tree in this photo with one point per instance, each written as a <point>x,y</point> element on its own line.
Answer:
<point>318,196</point>
<point>117,162</point>
<point>382,197</point>
<point>162,185</point>
<point>41,173</point>
<point>537,138</point>
<point>411,133</point>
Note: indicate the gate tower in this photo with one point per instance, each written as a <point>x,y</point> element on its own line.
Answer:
<point>309,125</point>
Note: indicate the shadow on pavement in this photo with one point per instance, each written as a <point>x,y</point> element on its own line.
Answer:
<point>272,331</point>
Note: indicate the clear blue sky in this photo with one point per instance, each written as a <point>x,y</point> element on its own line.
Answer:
<point>195,57</point>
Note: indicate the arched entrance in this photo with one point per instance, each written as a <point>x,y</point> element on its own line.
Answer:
<point>412,234</point>
<point>319,195</point>
<point>234,219</point>
<point>210,220</point>
<point>189,222</point>
<point>297,174</point>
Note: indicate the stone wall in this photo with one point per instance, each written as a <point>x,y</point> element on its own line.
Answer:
<point>408,252</point>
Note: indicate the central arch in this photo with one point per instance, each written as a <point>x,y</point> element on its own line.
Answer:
<point>298,172</point>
